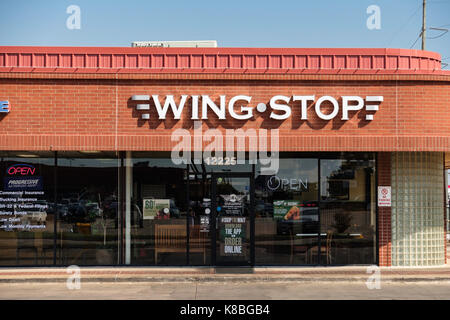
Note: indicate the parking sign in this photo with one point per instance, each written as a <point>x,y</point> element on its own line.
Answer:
<point>384,196</point>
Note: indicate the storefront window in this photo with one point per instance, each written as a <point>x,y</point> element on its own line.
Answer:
<point>142,209</point>
<point>88,206</point>
<point>295,226</point>
<point>157,217</point>
<point>286,213</point>
<point>200,201</point>
<point>347,209</point>
<point>27,214</point>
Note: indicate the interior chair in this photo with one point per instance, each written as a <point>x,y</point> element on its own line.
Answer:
<point>197,241</point>
<point>172,238</point>
<point>298,249</point>
<point>325,250</point>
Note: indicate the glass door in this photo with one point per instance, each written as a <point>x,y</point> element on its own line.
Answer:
<point>232,209</point>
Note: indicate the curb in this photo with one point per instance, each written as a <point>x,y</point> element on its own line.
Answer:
<point>223,275</point>
<point>224,279</point>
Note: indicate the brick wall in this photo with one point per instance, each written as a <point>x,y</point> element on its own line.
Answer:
<point>52,112</point>
<point>384,213</point>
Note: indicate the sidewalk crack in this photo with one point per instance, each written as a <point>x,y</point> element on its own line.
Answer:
<point>196,286</point>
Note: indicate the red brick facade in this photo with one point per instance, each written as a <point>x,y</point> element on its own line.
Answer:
<point>97,114</point>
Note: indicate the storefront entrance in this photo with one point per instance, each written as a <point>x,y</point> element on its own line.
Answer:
<point>318,209</point>
<point>232,236</point>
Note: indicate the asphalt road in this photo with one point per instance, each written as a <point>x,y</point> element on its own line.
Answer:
<point>218,291</point>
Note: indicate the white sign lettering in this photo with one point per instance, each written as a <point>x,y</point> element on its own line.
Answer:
<point>238,106</point>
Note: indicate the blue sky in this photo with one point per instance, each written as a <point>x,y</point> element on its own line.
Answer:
<point>282,23</point>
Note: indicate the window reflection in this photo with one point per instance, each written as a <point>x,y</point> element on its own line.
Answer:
<point>286,213</point>
<point>298,219</point>
<point>347,209</point>
<point>294,225</point>
<point>88,208</point>
<point>158,211</point>
<point>26,208</point>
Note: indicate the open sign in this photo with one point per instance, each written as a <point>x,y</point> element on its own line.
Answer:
<point>21,169</point>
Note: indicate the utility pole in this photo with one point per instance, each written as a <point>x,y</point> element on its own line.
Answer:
<point>424,18</point>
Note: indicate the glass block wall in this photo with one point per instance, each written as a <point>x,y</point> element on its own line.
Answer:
<point>417,209</point>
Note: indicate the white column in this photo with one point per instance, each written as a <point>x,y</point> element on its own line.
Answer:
<point>128,191</point>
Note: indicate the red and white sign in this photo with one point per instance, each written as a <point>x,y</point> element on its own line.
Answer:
<point>384,196</point>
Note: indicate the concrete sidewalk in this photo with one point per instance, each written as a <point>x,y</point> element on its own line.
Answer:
<point>207,274</point>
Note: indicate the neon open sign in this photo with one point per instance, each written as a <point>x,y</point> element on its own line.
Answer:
<point>21,170</point>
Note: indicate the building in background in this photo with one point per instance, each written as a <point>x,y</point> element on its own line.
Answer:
<point>176,44</point>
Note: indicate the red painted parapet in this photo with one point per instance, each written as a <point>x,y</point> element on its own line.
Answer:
<point>217,60</point>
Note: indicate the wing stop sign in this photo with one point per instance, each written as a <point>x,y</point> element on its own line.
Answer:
<point>384,196</point>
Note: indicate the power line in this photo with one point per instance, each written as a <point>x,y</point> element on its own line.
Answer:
<point>444,31</point>
<point>405,24</point>
<point>420,34</point>
<point>424,23</point>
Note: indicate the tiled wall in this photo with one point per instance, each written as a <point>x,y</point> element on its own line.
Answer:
<point>417,209</point>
